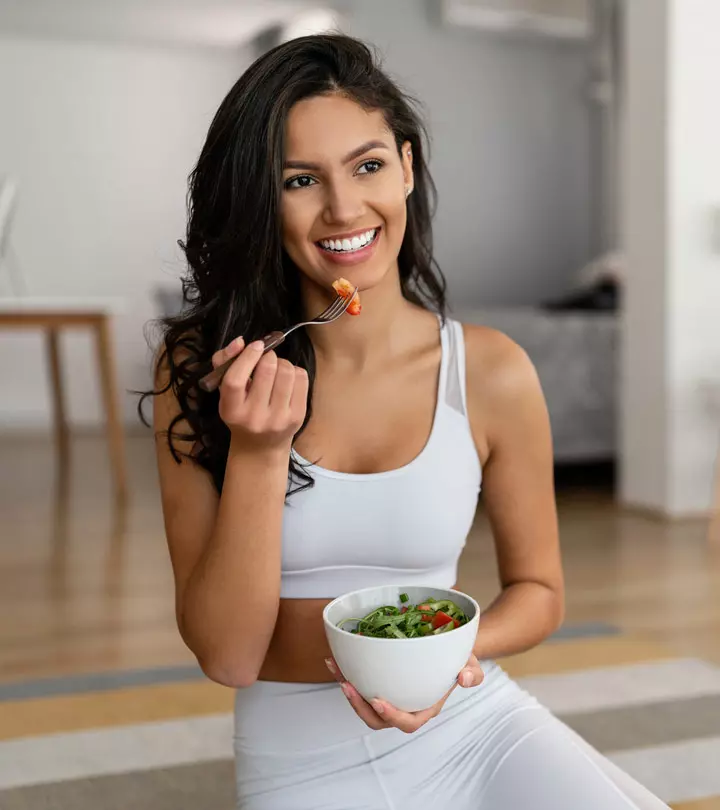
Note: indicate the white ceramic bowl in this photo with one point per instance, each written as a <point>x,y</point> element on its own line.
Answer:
<point>410,673</point>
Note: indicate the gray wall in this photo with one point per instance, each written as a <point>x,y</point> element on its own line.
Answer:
<point>511,149</point>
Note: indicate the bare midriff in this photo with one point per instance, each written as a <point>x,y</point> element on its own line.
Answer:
<point>299,646</point>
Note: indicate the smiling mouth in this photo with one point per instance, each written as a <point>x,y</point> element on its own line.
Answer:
<point>349,246</point>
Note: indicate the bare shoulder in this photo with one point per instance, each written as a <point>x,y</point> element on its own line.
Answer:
<point>166,363</point>
<point>165,403</point>
<point>504,394</point>
<point>496,364</point>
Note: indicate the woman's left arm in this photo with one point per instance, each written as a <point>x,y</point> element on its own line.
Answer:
<point>510,423</point>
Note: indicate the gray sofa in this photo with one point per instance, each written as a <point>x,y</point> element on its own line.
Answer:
<point>575,354</point>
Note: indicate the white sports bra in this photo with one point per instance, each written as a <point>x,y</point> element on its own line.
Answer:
<point>406,526</point>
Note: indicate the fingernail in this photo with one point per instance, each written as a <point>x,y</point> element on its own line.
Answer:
<point>239,341</point>
<point>379,708</point>
<point>466,679</point>
<point>257,346</point>
<point>334,670</point>
<point>347,690</point>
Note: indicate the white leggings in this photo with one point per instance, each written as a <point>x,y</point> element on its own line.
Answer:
<point>301,747</point>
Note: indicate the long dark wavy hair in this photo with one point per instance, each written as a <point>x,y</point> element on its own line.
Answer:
<point>240,281</point>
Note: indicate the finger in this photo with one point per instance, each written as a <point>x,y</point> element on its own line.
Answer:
<point>237,376</point>
<point>231,350</point>
<point>263,379</point>
<point>362,708</point>
<point>404,721</point>
<point>298,401</point>
<point>283,386</point>
<point>471,674</point>
<point>332,665</point>
<point>409,721</point>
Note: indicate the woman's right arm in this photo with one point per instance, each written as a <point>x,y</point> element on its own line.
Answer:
<point>225,550</point>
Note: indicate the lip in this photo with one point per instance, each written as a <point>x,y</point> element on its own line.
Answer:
<point>349,259</point>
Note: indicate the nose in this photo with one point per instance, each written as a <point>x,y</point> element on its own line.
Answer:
<point>344,204</point>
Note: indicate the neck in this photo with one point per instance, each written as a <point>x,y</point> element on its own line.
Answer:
<point>361,340</point>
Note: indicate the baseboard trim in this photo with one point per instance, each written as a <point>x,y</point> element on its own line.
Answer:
<point>663,516</point>
<point>76,431</point>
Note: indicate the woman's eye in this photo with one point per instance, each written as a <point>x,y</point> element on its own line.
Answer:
<point>302,181</point>
<point>370,167</point>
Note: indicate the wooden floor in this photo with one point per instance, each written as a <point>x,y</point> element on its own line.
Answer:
<point>85,586</point>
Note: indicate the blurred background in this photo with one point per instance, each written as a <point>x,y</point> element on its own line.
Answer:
<point>575,150</point>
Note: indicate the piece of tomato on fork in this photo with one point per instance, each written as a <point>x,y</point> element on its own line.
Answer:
<point>344,288</point>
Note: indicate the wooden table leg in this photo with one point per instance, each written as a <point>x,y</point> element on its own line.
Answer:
<point>113,418</point>
<point>714,525</point>
<point>56,388</point>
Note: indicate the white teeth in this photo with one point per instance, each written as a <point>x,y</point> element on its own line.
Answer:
<point>349,245</point>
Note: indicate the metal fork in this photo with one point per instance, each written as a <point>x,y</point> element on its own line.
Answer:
<point>338,307</point>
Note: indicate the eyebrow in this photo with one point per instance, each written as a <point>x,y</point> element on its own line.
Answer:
<point>356,153</point>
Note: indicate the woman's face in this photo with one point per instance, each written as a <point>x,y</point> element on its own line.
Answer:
<point>344,192</point>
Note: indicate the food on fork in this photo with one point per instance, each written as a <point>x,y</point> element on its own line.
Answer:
<point>344,288</point>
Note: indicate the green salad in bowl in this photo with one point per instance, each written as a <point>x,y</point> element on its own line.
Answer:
<point>426,618</point>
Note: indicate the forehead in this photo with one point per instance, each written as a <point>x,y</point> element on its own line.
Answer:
<point>329,127</point>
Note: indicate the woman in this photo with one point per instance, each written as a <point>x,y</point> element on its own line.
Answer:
<point>399,410</point>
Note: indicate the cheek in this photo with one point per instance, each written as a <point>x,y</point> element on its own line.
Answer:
<point>295,225</point>
<point>388,198</point>
<point>394,213</point>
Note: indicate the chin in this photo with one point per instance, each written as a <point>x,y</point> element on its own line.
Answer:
<point>367,275</point>
<point>364,276</point>
<point>371,279</point>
